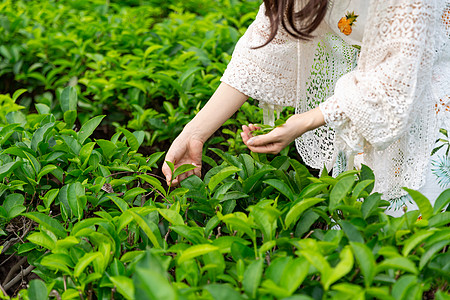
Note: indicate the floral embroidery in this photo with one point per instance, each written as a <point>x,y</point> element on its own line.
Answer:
<point>345,23</point>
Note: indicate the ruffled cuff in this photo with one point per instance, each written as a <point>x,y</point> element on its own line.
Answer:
<point>332,112</point>
<point>347,135</point>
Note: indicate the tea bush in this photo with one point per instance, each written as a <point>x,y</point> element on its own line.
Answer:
<point>98,224</point>
<point>151,66</point>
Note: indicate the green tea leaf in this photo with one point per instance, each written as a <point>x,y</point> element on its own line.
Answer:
<point>150,229</point>
<point>294,274</point>
<point>266,219</point>
<point>74,192</point>
<point>152,286</point>
<point>441,219</point>
<point>370,205</point>
<point>84,262</point>
<point>17,94</point>
<point>42,239</point>
<point>238,224</point>
<point>37,290</point>
<point>121,204</point>
<point>183,169</point>
<point>69,99</point>
<point>318,261</point>
<point>154,183</point>
<point>351,232</point>
<point>360,187</point>
<point>366,261</point>
<point>403,286</point>
<point>340,190</point>
<point>85,153</point>
<point>39,135</point>
<point>281,187</point>
<point>7,168</point>
<point>124,286</point>
<point>428,255</point>
<point>70,117</point>
<point>88,128</point>
<point>312,190</point>
<point>45,170</point>
<point>417,238</point>
<point>133,193</point>
<point>252,278</point>
<point>14,205</point>
<point>397,263</point>
<point>297,210</point>
<point>131,139</point>
<point>59,262</point>
<point>442,201</point>
<point>219,177</point>
<point>195,251</point>
<point>47,222</point>
<point>422,202</point>
<point>172,216</point>
<point>341,269</point>
<point>223,292</point>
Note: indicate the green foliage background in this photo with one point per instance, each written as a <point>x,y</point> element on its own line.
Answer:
<point>92,90</point>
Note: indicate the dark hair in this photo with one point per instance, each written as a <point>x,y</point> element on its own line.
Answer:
<point>299,24</point>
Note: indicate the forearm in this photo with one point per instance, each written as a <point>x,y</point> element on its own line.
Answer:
<point>301,123</point>
<point>222,105</point>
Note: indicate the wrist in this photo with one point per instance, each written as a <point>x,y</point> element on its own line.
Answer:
<point>193,131</point>
<point>310,120</point>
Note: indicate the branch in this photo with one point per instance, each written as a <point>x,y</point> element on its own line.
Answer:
<point>3,291</point>
<point>14,269</point>
<point>19,277</point>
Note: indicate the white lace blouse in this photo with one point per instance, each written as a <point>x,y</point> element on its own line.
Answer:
<point>379,102</point>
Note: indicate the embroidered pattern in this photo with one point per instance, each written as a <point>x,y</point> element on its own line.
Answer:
<point>345,23</point>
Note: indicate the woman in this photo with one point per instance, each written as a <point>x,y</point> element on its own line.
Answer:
<point>381,106</point>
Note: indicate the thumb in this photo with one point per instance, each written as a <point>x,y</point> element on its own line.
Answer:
<point>261,140</point>
<point>166,169</point>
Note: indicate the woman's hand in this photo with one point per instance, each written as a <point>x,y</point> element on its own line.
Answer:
<point>184,150</point>
<point>276,140</point>
<point>272,142</point>
<point>187,147</point>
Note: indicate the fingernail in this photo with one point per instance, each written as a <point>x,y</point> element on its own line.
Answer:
<point>251,141</point>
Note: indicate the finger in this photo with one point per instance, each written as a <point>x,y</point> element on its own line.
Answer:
<point>182,177</point>
<point>263,140</point>
<point>253,127</point>
<point>167,172</point>
<point>246,136</point>
<point>189,174</point>
<point>175,182</point>
<point>246,130</point>
<point>198,171</point>
<point>268,149</point>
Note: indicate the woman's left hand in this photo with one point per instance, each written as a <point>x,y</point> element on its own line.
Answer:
<point>276,140</point>
<point>272,142</point>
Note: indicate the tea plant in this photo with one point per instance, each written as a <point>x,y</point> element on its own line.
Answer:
<point>132,61</point>
<point>101,225</point>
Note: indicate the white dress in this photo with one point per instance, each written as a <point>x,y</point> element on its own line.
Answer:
<point>383,105</point>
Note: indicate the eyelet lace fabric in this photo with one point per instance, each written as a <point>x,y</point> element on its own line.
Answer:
<point>268,74</point>
<point>380,102</point>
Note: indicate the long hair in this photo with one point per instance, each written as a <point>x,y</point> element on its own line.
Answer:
<point>299,24</point>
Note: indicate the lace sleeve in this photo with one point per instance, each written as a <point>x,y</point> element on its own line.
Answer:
<point>269,73</point>
<point>378,101</point>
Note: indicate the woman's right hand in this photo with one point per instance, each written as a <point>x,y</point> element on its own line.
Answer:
<point>188,146</point>
<point>185,149</point>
